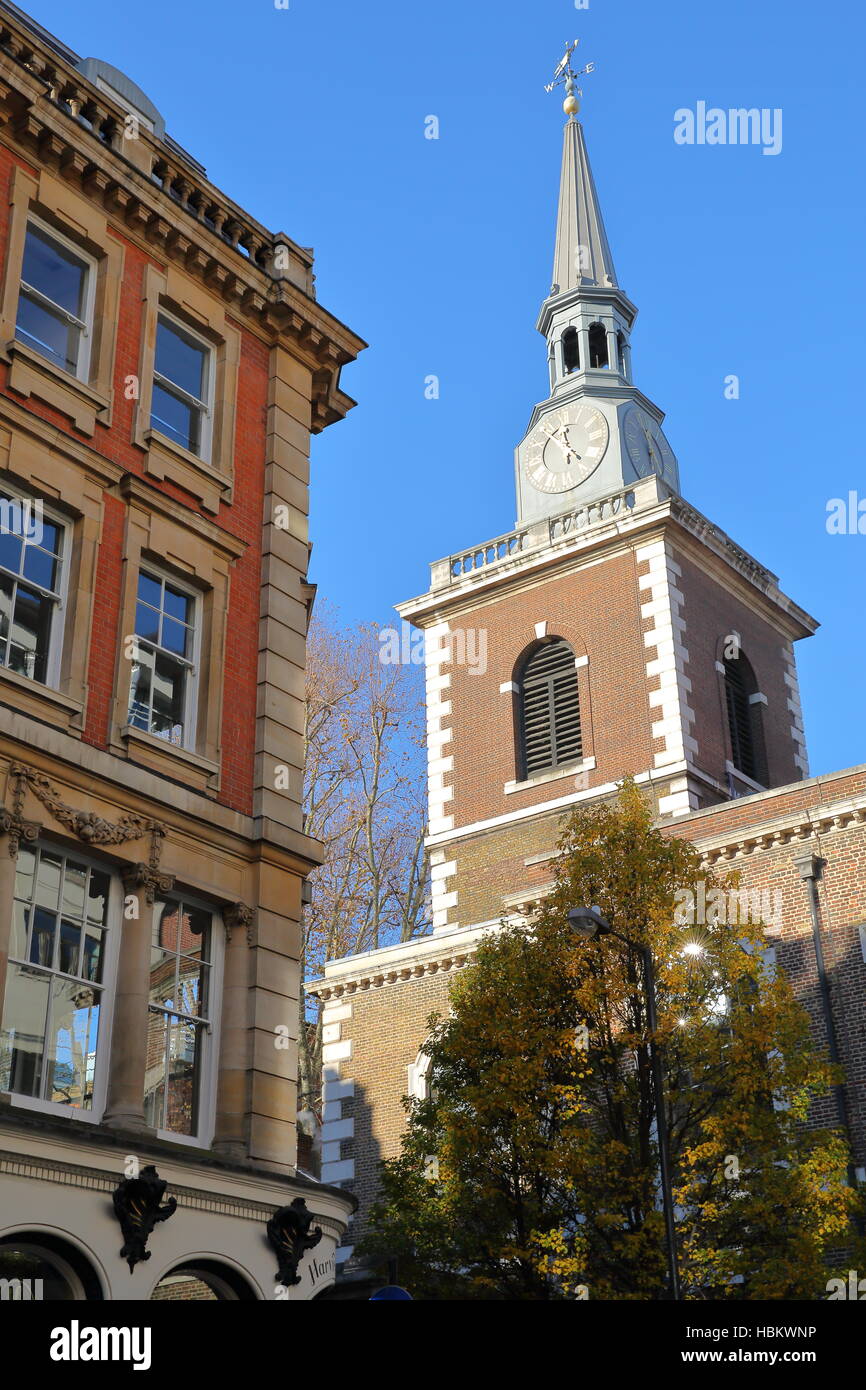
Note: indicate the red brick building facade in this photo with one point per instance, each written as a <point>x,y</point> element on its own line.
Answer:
<point>164,363</point>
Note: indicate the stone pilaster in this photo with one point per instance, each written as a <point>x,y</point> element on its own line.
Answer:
<point>231,1133</point>
<point>125,1101</point>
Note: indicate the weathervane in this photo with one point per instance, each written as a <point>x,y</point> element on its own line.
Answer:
<point>565,75</point>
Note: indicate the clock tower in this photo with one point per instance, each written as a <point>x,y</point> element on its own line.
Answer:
<point>596,432</point>
<point>614,632</point>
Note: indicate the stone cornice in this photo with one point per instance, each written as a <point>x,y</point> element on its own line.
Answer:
<point>440,953</point>
<point>49,112</point>
<point>778,831</point>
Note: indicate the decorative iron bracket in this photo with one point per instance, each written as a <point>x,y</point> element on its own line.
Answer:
<point>137,1208</point>
<point>290,1238</point>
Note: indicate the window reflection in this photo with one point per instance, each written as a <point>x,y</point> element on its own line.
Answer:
<point>178,1015</point>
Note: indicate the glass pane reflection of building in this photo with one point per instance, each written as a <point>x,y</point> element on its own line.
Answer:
<point>180,964</point>
<point>48,1044</point>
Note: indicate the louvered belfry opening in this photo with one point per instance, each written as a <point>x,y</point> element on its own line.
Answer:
<point>747,752</point>
<point>550,709</point>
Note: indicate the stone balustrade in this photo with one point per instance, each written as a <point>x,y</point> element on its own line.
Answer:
<point>534,536</point>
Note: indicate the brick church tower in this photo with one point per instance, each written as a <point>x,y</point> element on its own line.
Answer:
<point>614,631</point>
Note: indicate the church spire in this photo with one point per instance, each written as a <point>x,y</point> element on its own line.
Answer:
<point>596,433</point>
<point>582,254</point>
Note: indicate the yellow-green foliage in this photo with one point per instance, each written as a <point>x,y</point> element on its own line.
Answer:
<point>542,1112</point>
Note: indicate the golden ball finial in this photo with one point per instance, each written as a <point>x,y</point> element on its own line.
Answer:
<point>571,105</point>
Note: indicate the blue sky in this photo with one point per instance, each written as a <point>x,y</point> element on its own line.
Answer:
<point>439,254</point>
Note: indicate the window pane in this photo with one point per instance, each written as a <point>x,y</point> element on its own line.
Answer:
<point>22,1038</point>
<point>192,987</point>
<point>48,880</point>
<point>146,622</point>
<point>139,689</point>
<point>54,271</point>
<point>7,589</point>
<point>154,1082</point>
<point>47,332</point>
<point>181,359</point>
<point>97,897</point>
<point>149,590</point>
<point>162,978</point>
<point>176,637</point>
<point>31,629</point>
<point>40,567</point>
<point>166,919</point>
<point>20,924</point>
<point>184,1048</point>
<point>168,696</point>
<point>177,605</point>
<point>74,883</point>
<point>42,938</point>
<point>174,417</point>
<point>71,1059</point>
<point>196,936</point>
<point>91,965</point>
<point>70,947</point>
<point>52,538</point>
<point>10,551</point>
<point>25,865</point>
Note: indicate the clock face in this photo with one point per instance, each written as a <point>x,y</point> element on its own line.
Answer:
<point>565,447</point>
<point>647,447</point>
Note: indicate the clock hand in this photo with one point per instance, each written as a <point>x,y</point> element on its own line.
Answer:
<point>571,450</point>
<point>563,445</point>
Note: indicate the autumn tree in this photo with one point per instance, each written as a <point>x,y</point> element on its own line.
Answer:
<point>530,1171</point>
<point>364,798</point>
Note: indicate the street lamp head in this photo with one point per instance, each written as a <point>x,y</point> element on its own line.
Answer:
<point>587,922</point>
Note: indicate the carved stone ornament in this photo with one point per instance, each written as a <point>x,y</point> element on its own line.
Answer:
<point>239,915</point>
<point>138,1207</point>
<point>86,826</point>
<point>290,1237</point>
<point>141,876</point>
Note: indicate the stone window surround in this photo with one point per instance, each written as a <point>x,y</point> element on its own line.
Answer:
<point>208,479</point>
<point>178,543</point>
<point>44,471</point>
<point>84,402</point>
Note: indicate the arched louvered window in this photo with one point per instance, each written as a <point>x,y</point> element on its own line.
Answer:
<point>549,708</point>
<point>744,720</point>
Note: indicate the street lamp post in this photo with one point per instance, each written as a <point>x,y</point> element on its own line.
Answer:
<point>589,923</point>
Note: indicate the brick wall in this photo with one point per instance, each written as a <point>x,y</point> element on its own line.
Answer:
<point>241,519</point>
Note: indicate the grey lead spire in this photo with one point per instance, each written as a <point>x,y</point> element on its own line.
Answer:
<point>582,255</point>
<point>596,433</point>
